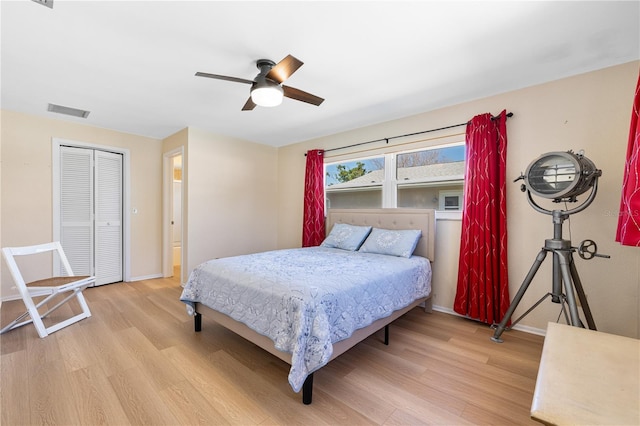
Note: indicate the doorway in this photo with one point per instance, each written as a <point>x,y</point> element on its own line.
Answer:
<point>173,229</point>
<point>176,218</point>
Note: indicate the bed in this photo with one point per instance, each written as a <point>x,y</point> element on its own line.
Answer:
<point>309,305</point>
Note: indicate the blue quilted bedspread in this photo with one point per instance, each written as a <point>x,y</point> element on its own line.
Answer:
<point>309,298</point>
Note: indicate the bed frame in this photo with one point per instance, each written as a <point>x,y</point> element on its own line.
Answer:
<point>423,219</point>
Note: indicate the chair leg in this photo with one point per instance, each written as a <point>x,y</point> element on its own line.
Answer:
<point>83,304</point>
<point>86,313</point>
<point>16,323</point>
<point>76,293</point>
<point>42,330</point>
<point>37,322</point>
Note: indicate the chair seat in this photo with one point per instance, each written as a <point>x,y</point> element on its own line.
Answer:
<point>56,281</point>
<point>57,285</point>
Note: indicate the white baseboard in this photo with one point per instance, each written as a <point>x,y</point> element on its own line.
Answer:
<point>530,330</point>
<point>525,328</point>
<point>11,297</point>
<point>146,277</point>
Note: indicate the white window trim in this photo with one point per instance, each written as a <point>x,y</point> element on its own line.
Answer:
<point>389,190</point>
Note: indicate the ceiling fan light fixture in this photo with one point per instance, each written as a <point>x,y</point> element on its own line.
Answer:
<point>267,94</point>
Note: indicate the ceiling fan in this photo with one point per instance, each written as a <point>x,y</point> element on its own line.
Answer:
<point>267,88</point>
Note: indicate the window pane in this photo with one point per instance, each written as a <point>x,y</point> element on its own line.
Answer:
<point>431,165</point>
<point>354,173</point>
<point>355,184</point>
<point>355,199</point>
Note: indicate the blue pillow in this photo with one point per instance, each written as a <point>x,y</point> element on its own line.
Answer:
<point>399,243</point>
<point>346,237</point>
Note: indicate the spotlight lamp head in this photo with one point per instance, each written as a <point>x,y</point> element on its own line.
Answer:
<point>561,176</point>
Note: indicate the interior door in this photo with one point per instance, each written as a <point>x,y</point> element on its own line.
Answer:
<point>108,217</point>
<point>76,208</point>
<point>91,211</point>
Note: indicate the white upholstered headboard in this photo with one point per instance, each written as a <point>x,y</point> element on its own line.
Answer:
<point>422,219</point>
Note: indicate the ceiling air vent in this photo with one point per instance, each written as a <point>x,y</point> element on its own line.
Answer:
<point>68,111</point>
<point>48,3</point>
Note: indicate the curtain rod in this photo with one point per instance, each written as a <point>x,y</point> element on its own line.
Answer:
<point>405,135</point>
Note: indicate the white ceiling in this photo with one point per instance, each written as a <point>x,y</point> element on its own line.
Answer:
<point>132,64</point>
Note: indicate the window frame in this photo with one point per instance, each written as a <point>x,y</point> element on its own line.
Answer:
<point>390,183</point>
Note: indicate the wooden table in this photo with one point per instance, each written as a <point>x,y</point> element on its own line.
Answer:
<point>587,377</point>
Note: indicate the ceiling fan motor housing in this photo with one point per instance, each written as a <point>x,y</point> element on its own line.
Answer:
<point>265,65</point>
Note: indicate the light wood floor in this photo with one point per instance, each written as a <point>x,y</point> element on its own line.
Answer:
<point>137,360</point>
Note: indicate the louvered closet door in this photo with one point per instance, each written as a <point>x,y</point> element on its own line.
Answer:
<point>91,212</point>
<point>108,217</point>
<point>76,208</point>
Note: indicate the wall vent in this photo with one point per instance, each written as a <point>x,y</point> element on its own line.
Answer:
<point>48,3</point>
<point>68,111</point>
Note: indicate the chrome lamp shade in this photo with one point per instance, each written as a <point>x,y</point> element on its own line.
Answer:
<point>561,176</point>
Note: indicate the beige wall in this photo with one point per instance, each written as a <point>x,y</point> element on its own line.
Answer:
<point>231,197</point>
<point>590,112</point>
<point>26,197</point>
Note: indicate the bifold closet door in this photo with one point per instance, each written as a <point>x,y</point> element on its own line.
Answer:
<point>91,212</point>
<point>76,208</point>
<point>108,217</point>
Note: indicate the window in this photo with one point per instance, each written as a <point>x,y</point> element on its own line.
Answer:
<point>450,200</point>
<point>427,178</point>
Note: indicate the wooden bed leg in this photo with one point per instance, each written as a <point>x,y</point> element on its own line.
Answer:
<point>428,305</point>
<point>307,389</point>
<point>197,321</point>
<point>386,334</point>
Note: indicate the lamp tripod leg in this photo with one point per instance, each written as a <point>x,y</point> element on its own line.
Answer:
<point>581,295</point>
<point>542,254</point>
<point>563,257</point>
<point>563,310</point>
<point>571,282</point>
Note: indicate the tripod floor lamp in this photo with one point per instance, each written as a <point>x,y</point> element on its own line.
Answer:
<point>561,177</point>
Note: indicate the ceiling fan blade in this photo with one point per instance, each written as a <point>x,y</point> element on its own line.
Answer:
<point>249,105</point>
<point>224,77</point>
<point>283,69</point>
<point>299,95</point>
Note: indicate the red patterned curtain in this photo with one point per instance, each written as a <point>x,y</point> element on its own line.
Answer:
<point>483,285</point>
<point>313,216</point>
<point>628,232</point>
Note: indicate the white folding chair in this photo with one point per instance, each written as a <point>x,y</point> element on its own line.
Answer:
<point>49,288</point>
